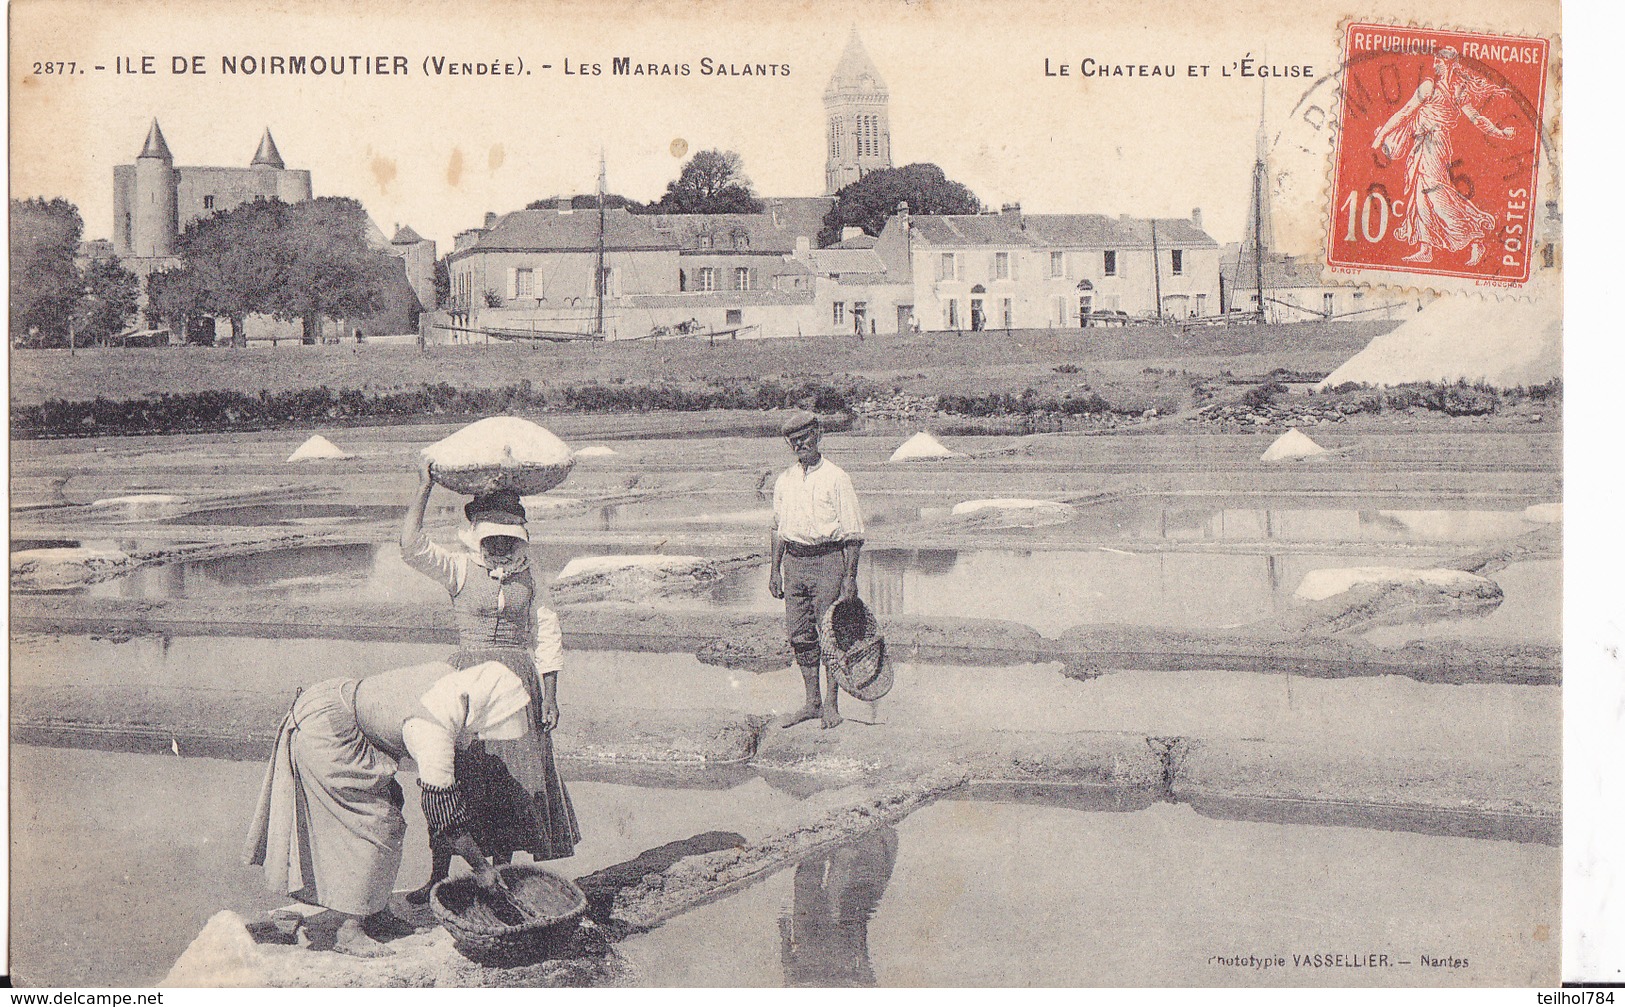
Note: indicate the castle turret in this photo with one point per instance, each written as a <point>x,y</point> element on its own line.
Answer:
<point>858,126</point>
<point>151,217</point>
<point>267,156</point>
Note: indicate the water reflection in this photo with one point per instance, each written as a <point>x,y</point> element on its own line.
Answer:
<point>824,939</point>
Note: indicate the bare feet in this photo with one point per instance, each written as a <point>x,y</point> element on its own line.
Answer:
<point>1476,255</point>
<point>801,716</point>
<point>351,939</point>
<point>832,719</point>
<point>1423,254</point>
<point>384,925</point>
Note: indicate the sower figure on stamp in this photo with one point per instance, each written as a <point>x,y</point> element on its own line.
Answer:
<point>1436,215</point>
<point>817,536</point>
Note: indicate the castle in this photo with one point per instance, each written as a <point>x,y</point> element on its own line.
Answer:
<point>154,201</point>
<point>857,124</point>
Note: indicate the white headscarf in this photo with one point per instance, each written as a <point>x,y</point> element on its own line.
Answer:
<point>485,701</point>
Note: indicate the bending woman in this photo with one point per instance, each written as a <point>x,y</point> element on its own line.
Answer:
<point>329,828</point>
<point>517,799</point>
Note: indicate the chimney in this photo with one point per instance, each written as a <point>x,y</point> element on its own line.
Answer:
<point>1196,217</point>
<point>1122,218</point>
<point>773,208</point>
<point>902,214</point>
<point>803,247</point>
<point>848,233</point>
<point>490,219</point>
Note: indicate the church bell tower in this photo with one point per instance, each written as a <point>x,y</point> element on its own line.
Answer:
<point>857,125</point>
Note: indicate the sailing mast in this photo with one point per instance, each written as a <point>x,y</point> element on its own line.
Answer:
<point>598,272</point>
<point>1258,211</point>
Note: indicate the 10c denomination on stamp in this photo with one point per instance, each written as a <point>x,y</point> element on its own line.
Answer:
<point>1437,155</point>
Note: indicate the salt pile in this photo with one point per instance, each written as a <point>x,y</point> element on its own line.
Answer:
<point>139,500</point>
<point>921,445</point>
<point>1292,444</point>
<point>592,566</point>
<point>596,451</point>
<point>1546,513</point>
<point>1013,512</point>
<point>1318,585</point>
<point>1501,343</point>
<point>1006,503</point>
<point>316,449</point>
<point>500,453</point>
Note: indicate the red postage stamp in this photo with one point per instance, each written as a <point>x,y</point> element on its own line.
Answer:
<point>1437,157</point>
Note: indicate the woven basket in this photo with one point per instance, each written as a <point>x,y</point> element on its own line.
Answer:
<point>522,478</point>
<point>854,651</point>
<point>538,904</point>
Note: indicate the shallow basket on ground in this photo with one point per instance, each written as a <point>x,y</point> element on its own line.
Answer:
<point>854,651</point>
<point>536,905</point>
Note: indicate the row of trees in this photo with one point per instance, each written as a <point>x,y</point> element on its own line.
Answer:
<point>300,262</point>
<point>53,299</point>
<point>714,181</point>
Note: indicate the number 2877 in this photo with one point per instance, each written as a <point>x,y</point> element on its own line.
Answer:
<point>55,69</point>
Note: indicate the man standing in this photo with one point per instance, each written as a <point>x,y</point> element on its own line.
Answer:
<point>817,535</point>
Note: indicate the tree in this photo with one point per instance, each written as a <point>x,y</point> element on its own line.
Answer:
<point>712,181</point>
<point>177,298</point>
<point>331,271</point>
<point>589,201</point>
<point>868,202</point>
<point>236,263</point>
<point>111,292</point>
<point>45,284</point>
<point>442,283</point>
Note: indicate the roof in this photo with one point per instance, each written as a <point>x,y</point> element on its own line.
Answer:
<point>855,71</point>
<point>838,261</point>
<point>553,231</point>
<point>404,235</point>
<point>774,230</point>
<point>1090,230</point>
<point>155,145</point>
<point>860,241</point>
<point>267,156</point>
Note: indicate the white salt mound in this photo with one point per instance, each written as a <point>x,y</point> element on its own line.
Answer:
<point>30,559</point>
<point>596,451</point>
<point>588,566</point>
<point>140,500</point>
<point>500,453</point>
<point>1501,343</point>
<point>317,448</point>
<point>921,445</point>
<point>1546,513</point>
<point>1318,585</point>
<point>1292,444</point>
<point>223,954</point>
<point>1007,503</point>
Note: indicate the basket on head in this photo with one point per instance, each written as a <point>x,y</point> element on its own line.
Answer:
<point>536,904</point>
<point>502,453</point>
<point>854,651</point>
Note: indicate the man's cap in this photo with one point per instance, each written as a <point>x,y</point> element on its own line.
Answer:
<point>798,421</point>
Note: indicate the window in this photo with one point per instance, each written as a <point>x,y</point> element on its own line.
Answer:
<point>946,267</point>
<point>839,315</point>
<point>1179,261</point>
<point>1059,316</point>
<point>1326,305</point>
<point>742,278</point>
<point>1548,256</point>
<point>707,278</point>
<point>1007,312</point>
<point>1001,265</point>
<point>1057,263</point>
<point>208,202</point>
<point>735,316</point>
<point>741,239</point>
<point>953,313</point>
<point>1110,263</point>
<point>1201,305</point>
<point>525,283</point>
<point>1359,295</point>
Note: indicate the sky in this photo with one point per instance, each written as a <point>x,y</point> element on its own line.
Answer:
<point>968,85</point>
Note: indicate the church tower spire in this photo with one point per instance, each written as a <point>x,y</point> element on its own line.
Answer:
<point>857,124</point>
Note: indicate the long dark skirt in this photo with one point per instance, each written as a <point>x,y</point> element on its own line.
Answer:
<point>515,795</point>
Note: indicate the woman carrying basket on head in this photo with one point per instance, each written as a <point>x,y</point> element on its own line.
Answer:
<point>517,799</point>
